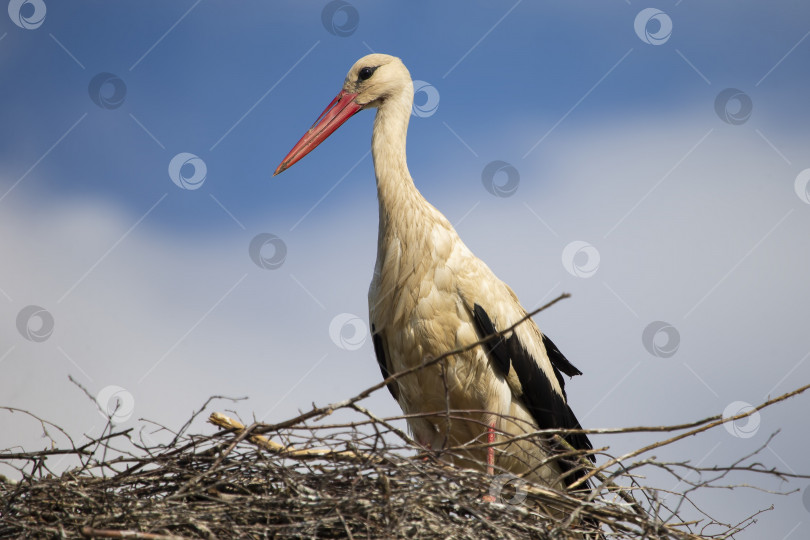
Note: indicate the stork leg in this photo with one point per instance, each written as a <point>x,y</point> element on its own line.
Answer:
<point>491,449</point>
<point>490,457</point>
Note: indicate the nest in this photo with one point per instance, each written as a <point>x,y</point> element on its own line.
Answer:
<point>305,478</point>
<point>361,476</point>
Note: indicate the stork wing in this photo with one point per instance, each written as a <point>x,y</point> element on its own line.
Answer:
<point>548,407</point>
<point>559,361</point>
<point>379,350</point>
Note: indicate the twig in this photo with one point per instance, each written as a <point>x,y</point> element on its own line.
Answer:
<point>264,443</point>
<point>110,533</point>
<point>329,409</point>
<point>713,422</point>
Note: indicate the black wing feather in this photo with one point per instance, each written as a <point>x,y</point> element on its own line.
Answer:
<point>558,360</point>
<point>549,409</point>
<point>496,347</point>
<point>379,350</point>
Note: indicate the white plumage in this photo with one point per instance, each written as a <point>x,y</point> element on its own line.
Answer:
<point>430,295</point>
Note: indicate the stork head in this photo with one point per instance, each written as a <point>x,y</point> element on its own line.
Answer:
<point>370,82</point>
<point>376,77</point>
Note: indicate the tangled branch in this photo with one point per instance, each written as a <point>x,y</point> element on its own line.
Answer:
<point>362,476</point>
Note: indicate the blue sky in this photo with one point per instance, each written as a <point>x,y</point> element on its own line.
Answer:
<point>697,221</point>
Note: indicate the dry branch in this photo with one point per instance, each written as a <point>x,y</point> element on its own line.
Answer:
<point>328,481</point>
<point>363,477</point>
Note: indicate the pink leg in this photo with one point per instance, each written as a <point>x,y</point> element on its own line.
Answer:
<point>490,457</point>
<point>491,449</point>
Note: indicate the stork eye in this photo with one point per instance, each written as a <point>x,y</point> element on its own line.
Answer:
<point>366,72</point>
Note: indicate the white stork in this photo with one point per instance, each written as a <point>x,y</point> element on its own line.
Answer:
<point>430,295</point>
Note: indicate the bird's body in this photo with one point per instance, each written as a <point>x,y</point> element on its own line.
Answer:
<point>421,310</point>
<point>430,295</point>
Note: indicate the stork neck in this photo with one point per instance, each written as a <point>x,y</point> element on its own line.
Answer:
<point>395,187</point>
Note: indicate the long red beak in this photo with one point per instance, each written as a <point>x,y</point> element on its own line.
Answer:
<point>341,109</point>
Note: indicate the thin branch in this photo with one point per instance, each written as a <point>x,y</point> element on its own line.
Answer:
<point>712,422</point>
